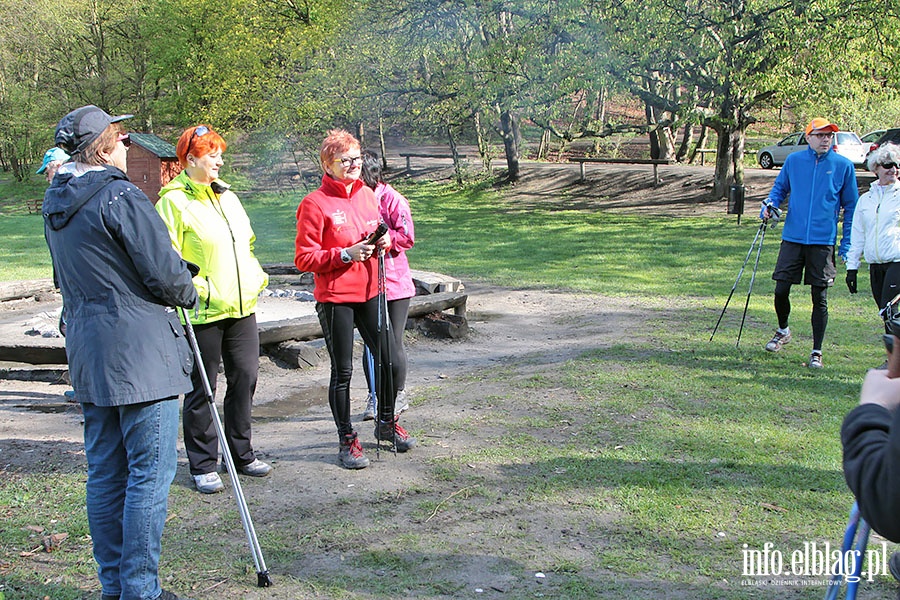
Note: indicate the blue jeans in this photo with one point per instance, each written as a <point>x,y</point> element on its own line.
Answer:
<point>131,463</point>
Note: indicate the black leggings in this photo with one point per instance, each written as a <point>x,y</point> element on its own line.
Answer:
<point>398,311</point>
<point>338,321</point>
<point>819,318</point>
<point>885,281</point>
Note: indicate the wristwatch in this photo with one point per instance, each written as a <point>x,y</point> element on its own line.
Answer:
<point>345,256</point>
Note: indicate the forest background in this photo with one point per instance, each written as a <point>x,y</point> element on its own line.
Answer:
<point>276,74</point>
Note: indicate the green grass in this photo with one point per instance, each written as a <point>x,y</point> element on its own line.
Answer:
<point>661,456</point>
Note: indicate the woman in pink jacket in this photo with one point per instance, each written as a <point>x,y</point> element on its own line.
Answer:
<point>333,224</point>
<point>399,286</point>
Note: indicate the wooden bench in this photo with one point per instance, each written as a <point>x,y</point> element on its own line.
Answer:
<point>308,327</point>
<point>703,152</point>
<point>34,205</point>
<point>408,155</point>
<point>623,161</point>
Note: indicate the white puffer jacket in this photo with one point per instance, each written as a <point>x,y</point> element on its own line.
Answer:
<point>876,227</point>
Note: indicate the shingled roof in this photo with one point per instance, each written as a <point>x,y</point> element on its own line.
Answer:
<point>154,144</point>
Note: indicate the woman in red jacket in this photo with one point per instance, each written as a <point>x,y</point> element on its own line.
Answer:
<point>333,223</point>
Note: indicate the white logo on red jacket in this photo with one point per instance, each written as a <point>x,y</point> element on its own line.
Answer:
<point>339,217</point>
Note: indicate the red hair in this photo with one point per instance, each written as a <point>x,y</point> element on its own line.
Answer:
<point>200,145</point>
<point>336,142</point>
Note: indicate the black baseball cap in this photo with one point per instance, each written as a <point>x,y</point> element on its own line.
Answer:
<point>82,126</point>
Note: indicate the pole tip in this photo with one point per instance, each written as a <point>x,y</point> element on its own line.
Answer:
<point>263,580</point>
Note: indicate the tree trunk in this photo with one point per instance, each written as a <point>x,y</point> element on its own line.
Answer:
<point>484,151</point>
<point>361,134</point>
<point>457,167</point>
<point>381,143</point>
<point>686,138</point>
<point>731,127</point>
<point>509,132</point>
<point>701,143</point>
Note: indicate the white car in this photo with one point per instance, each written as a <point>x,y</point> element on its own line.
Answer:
<point>846,143</point>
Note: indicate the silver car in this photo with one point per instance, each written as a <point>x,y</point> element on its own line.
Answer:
<point>846,143</point>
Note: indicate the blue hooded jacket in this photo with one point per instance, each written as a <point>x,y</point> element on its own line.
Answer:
<point>119,277</point>
<point>819,187</point>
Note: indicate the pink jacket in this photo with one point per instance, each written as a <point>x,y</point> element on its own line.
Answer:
<point>396,215</point>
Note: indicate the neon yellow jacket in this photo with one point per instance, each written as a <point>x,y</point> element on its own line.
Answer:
<point>213,231</point>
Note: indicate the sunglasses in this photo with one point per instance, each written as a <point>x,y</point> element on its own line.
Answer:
<point>198,132</point>
<point>889,165</point>
<point>125,139</point>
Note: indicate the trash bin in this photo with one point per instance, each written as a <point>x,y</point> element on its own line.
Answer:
<point>736,200</point>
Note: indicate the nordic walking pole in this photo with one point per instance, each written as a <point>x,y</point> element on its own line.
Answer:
<point>857,529</point>
<point>262,573</point>
<point>384,376</point>
<point>736,281</point>
<point>752,279</point>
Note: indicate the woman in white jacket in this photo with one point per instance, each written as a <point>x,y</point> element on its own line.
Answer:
<point>875,235</point>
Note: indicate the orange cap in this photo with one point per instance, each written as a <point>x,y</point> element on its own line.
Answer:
<point>820,123</point>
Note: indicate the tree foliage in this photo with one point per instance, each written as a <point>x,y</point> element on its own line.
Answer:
<point>288,70</point>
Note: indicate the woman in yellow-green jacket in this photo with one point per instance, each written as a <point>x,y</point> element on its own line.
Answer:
<point>209,227</point>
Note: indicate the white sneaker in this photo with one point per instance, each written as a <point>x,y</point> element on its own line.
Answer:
<point>401,403</point>
<point>369,413</point>
<point>256,469</point>
<point>208,483</point>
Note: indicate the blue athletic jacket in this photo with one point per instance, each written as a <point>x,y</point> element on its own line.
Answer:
<point>819,187</point>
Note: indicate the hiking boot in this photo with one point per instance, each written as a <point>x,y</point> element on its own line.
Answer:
<point>351,453</point>
<point>401,403</point>
<point>815,360</point>
<point>208,483</point>
<point>256,469</point>
<point>894,565</point>
<point>369,413</point>
<point>778,340</point>
<point>393,433</point>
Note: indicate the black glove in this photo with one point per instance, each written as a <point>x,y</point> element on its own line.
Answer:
<point>192,268</point>
<point>851,280</point>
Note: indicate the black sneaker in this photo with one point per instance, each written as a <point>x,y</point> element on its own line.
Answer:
<point>351,453</point>
<point>393,433</point>
<point>170,596</point>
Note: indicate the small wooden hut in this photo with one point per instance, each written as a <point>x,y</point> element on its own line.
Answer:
<point>152,163</point>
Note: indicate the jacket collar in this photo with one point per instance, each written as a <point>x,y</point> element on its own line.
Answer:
<point>333,187</point>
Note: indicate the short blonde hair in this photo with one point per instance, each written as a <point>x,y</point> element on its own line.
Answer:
<point>105,142</point>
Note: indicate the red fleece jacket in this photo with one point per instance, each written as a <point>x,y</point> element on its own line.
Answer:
<point>329,220</point>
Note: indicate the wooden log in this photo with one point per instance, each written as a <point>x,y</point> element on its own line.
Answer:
<point>441,325</point>
<point>299,328</point>
<point>33,355</point>
<point>299,355</point>
<point>422,305</point>
<point>16,290</point>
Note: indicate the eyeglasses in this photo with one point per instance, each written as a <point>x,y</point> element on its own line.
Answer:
<point>827,134</point>
<point>125,139</point>
<point>350,160</point>
<point>888,165</point>
<point>198,132</point>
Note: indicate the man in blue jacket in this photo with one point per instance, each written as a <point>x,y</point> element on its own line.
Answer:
<point>820,183</point>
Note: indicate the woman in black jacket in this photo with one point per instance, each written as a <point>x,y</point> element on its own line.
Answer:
<point>128,357</point>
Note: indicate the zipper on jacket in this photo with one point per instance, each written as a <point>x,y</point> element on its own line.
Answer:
<point>237,268</point>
